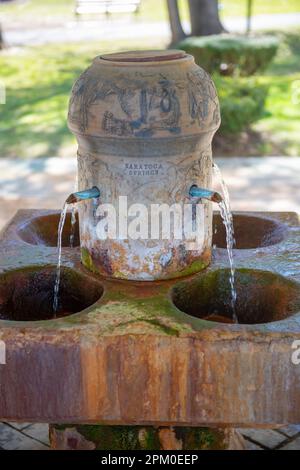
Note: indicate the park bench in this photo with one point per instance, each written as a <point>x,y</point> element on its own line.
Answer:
<point>106,6</point>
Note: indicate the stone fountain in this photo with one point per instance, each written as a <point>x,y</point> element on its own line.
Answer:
<point>132,364</point>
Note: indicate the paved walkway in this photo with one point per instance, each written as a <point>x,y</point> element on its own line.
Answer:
<point>129,27</point>
<point>24,436</point>
<point>285,438</point>
<point>258,183</point>
<point>264,183</point>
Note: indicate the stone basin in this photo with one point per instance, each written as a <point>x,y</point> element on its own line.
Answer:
<point>43,230</point>
<point>250,231</point>
<point>262,296</point>
<point>27,294</point>
<point>172,344</point>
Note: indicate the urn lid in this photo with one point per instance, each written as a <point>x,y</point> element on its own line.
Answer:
<point>145,56</point>
<point>143,95</point>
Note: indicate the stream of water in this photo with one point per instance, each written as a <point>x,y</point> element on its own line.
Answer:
<point>227,218</point>
<point>59,249</point>
<point>73,216</point>
<point>73,225</point>
<point>59,245</point>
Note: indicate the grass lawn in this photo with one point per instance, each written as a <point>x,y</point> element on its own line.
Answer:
<point>282,123</point>
<point>39,80</point>
<point>238,7</point>
<point>38,83</point>
<point>153,10</point>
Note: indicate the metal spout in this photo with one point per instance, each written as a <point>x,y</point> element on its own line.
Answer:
<point>201,193</point>
<point>91,193</point>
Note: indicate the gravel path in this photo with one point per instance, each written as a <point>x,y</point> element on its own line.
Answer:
<point>126,28</point>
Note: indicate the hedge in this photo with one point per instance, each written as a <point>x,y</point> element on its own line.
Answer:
<point>231,55</point>
<point>242,102</point>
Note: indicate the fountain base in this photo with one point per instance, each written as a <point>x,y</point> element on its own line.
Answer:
<point>96,437</point>
<point>148,354</point>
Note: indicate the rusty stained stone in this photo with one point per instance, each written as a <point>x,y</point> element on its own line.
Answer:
<point>179,381</point>
<point>168,439</point>
<point>69,439</point>
<point>91,367</point>
<point>101,261</point>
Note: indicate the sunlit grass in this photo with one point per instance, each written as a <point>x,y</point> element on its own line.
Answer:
<point>282,122</point>
<point>33,122</point>
<point>39,81</point>
<point>239,7</point>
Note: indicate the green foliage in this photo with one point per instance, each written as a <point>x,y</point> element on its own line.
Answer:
<point>38,82</point>
<point>231,55</point>
<point>242,102</point>
<point>242,99</point>
<point>200,438</point>
<point>293,41</point>
<point>111,437</point>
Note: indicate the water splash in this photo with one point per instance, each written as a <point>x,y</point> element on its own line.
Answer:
<point>73,225</point>
<point>227,218</point>
<point>59,249</point>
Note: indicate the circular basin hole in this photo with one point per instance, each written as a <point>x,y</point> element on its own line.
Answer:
<point>250,232</point>
<point>43,231</point>
<point>262,296</point>
<point>27,294</point>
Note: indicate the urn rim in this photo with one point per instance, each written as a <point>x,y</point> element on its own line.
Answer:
<point>144,57</point>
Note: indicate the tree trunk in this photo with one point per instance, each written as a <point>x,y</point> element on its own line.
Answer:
<point>1,39</point>
<point>205,17</point>
<point>176,28</point>
<point>249,16</point>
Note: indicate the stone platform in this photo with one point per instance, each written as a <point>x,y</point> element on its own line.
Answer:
<point>118,340</point>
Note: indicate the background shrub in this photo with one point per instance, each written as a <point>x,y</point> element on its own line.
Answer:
<point>242,102</point>
<point>293,41</point>
<point>231,55</point>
